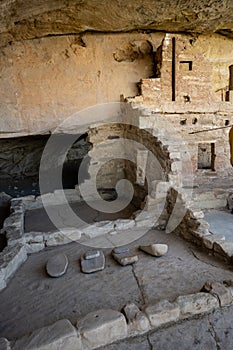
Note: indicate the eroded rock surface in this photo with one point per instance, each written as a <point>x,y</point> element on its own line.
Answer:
<point>20,20</point>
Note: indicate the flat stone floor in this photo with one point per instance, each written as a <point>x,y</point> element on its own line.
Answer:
<point>33,300</point>
<point>221,222</point>
<point>37,220</point>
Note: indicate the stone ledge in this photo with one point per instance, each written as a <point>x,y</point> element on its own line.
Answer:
<point>11,258</point>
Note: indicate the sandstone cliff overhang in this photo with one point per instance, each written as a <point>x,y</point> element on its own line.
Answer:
<point>21,19</point>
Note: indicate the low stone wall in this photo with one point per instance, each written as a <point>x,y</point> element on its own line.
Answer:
<point>105,326</point>
<point>196,230</point>
<point>15,253</point>
<point>192,228</point>
<point>20,243</point>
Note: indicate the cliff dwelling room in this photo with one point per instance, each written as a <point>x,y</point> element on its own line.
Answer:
<point>116,175</point>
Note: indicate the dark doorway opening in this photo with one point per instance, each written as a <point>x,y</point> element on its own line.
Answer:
<point>206,156</point>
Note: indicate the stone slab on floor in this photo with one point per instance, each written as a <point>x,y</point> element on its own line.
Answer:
<point>221,222</point>
<point>124,259</point>
<point>57,265</point>
<point>94,264</point>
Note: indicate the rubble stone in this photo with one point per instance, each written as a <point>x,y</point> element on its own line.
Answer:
<point>136,319</point>
<point>155,249</point>
<point>220,291</point>
<point>210,239</point>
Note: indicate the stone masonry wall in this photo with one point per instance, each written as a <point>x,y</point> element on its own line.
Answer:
<point>191,91</point>
<point>200,67</point>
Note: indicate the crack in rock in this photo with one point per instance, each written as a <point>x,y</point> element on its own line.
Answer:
<point>149,342</point>
<point>143,297</point>
<point>214,334</point>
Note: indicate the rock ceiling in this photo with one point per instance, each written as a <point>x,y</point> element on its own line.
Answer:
<point>22,19</point>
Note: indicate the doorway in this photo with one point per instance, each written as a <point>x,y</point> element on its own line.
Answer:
<point>206,156</point>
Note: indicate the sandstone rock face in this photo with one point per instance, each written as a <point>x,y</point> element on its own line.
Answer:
<point>76,77</point>
<point>20,20</point>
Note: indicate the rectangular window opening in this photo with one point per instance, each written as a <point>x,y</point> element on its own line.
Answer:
<point>186,66</point>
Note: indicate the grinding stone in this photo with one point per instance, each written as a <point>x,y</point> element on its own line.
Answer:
<point>57,265</point>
